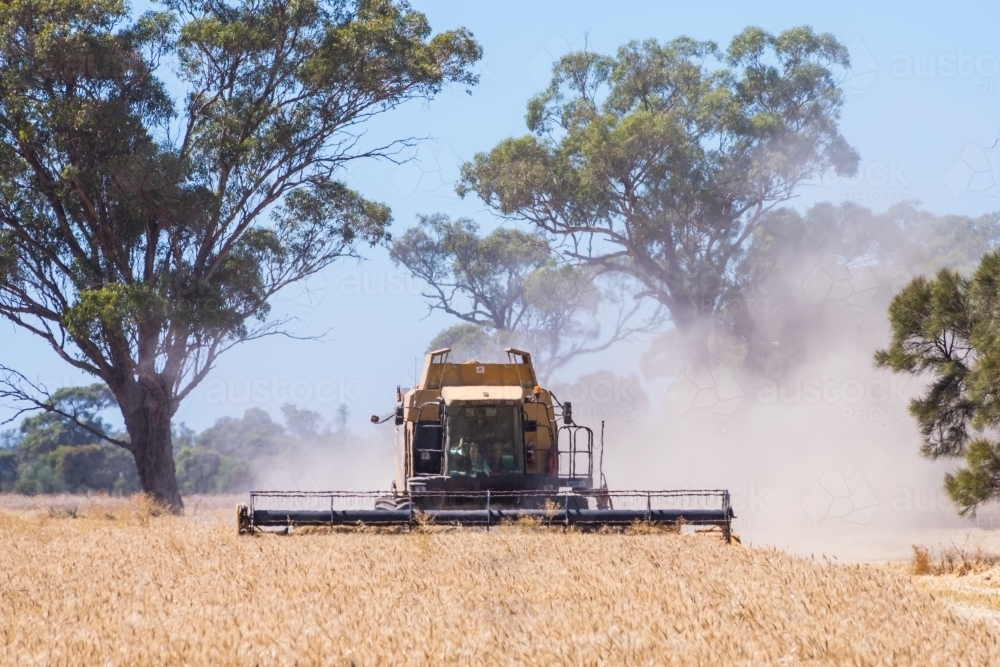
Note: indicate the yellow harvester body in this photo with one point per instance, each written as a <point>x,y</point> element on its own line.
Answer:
<point>480,444</point>
<point>480,426</point>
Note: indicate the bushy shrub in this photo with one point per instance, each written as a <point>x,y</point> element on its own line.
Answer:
<point>196,470</point>
<point>38,477</point>
<point>81,467</point>
<point>49,453</point>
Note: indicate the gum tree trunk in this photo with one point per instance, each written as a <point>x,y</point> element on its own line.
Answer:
<point>147,420</point>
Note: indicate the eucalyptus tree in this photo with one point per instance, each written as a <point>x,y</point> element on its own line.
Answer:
<point>507,288</point>
<point>143,235</point>
<point>660,162</point>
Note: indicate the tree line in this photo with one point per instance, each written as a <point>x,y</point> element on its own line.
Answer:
<point>49,453</point>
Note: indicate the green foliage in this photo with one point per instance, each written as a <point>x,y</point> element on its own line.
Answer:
<point>61,450</point>
<point>97,467</point>
<point>219,460</point>
<point>253,436</point>
<point>77,466</point>
<point>947,329</point>
<point>134,229</point>
<point>469,341</point>
<point>487,273</point>
<point>197,470</point>
<point>508,289</point>
<point>112,306</point>
<point>8,469</point>
<point>75,469</point>
<point>38,477</point>
<point>235,475</point>
<point>301,423</point>
<point>227,456</point>
<point>661,161</point>
<point>979,480</point>
<point>48,431</point>
<point>956,242</point>
<point>50,453</point>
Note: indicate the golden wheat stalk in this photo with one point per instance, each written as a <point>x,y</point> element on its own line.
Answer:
<point>120,583</point>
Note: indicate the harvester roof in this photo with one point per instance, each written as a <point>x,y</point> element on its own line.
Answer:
<point>481,394</point>
<point>518,373</point>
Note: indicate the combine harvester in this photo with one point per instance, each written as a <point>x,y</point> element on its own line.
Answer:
<point>480,444</point>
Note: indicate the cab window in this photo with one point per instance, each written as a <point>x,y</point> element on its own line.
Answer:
<point>484,440</point>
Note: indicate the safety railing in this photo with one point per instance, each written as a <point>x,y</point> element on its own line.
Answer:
<point>575,452</point>
<point>590,507</point>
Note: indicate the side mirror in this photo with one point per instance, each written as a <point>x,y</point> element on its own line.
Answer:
<point>399,415</point>
<point>567,412</point>
<point>375,419</point>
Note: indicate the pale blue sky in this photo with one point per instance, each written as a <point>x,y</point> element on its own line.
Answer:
<point>923,110</point>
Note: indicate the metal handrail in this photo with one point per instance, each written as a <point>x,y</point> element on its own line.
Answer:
<point>487,508</point>
<point>573,431</point>
<point>621,492</point>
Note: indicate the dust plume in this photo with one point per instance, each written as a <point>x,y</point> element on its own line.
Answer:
<point>816,446</point>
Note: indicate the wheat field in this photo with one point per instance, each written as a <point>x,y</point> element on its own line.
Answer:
<point>118,583</point>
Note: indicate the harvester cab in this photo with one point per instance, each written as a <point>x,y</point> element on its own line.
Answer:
<point>482,444</point>
<point>478,426</point>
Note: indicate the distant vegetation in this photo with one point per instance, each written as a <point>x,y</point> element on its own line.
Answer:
<point>50,453</point>
<point>508,288</point>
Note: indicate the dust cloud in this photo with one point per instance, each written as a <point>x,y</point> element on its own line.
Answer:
<point>815,445</point>
<point>348,463</point>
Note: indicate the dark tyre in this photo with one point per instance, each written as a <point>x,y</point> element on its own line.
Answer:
<point>243,526</point>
